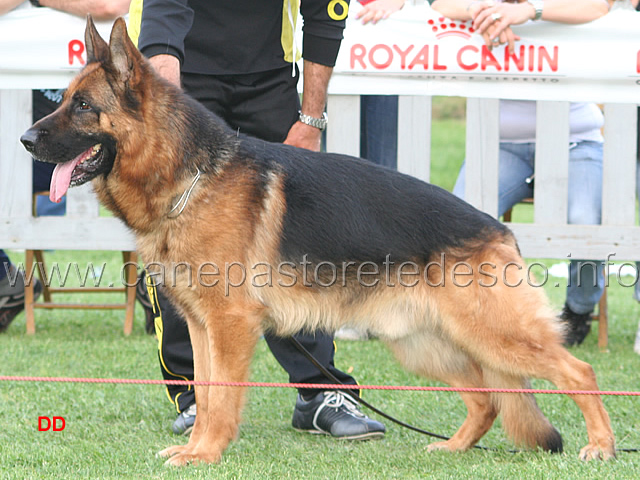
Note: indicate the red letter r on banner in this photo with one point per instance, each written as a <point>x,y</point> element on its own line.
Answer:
<point>76,49</point>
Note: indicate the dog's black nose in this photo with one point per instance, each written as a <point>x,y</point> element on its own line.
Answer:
<point>29,139</point>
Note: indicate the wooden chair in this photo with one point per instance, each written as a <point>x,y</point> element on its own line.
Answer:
<point>129,258</point>
<point>602,315</point>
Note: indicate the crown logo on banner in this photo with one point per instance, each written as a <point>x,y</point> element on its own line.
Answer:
<point>445,27</point>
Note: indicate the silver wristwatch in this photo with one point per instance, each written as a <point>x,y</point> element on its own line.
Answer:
<point>319,123</point>
<point>538,5</point>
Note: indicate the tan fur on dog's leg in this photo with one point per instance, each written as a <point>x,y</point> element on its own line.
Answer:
<point>522,419</point>
<point>231,340</point>
<point>510,330</point>
<point>200,346</point>
<point>480,417</point>
<point>569,373</point>
<point>435,357</point>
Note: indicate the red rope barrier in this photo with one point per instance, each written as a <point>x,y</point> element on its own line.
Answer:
<point>322,386</point>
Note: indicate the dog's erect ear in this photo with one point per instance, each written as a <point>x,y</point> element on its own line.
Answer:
<point>124,55</point>
<point>97,48</point>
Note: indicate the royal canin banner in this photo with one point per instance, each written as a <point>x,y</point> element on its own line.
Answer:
<point>415,52</point>
<point>433,55</point>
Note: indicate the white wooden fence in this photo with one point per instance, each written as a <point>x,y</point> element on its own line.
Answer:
<point>548,237</point>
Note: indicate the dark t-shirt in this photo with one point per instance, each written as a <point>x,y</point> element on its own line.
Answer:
<point>222,37</point>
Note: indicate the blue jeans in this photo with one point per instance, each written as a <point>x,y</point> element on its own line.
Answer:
<point>586,279</point>
<point>379,129</point>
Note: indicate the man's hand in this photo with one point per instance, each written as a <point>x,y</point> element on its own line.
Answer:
<point>304,136</point>
<point>168,67</point>
<point>379,10</point>
<point>494,22</point>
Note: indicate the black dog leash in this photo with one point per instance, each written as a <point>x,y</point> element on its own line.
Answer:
<point>333,379</point>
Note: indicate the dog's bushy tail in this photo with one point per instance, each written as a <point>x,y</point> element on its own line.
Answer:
<point>522,419</point>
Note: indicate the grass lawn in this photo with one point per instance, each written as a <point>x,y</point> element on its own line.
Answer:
<point>114,431</point>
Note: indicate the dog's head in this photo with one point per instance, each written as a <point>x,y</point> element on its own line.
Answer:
<point>83,135</point>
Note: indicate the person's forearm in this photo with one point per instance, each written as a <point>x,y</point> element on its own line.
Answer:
<point>563,11</point>
<point>314,99</point>
<point>8,5</point>
<point>566,11</point>
<point>99,9</point>
<point>456,9</point>
<point>379,10</point>
<point>316,82</point>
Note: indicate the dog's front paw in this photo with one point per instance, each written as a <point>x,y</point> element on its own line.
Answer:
<point>597,452</point>
<point>187,458</point>
<point>171,451</point>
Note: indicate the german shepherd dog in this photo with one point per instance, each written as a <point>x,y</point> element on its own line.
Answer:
<point>329,240</point>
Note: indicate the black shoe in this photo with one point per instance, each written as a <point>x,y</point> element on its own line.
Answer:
<point>184,423</point>
<point>578,326</point>
<point>335,413</point>
<point>12,298</point>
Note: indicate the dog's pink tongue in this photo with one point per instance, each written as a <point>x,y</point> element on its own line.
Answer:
<point>61,179</point>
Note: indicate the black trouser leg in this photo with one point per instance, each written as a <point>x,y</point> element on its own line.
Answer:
<point>301,369</point>
<point>174,348</point>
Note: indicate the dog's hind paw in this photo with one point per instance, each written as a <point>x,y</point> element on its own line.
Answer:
<point>171,451</point>
<point>596,452</point>
<point>440,446</point>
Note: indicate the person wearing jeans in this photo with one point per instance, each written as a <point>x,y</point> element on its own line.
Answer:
<point>379,129</point>
<point>515,182</point>
<point>493,20</point>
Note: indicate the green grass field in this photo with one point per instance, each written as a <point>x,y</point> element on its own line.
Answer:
<point>114,431</point>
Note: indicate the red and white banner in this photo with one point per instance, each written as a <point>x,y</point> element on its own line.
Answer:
<point>42,48</point>
<point>415,52</point>
<point>433,55</point>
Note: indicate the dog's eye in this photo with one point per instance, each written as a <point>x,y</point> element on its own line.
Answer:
<point>83,106</point>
